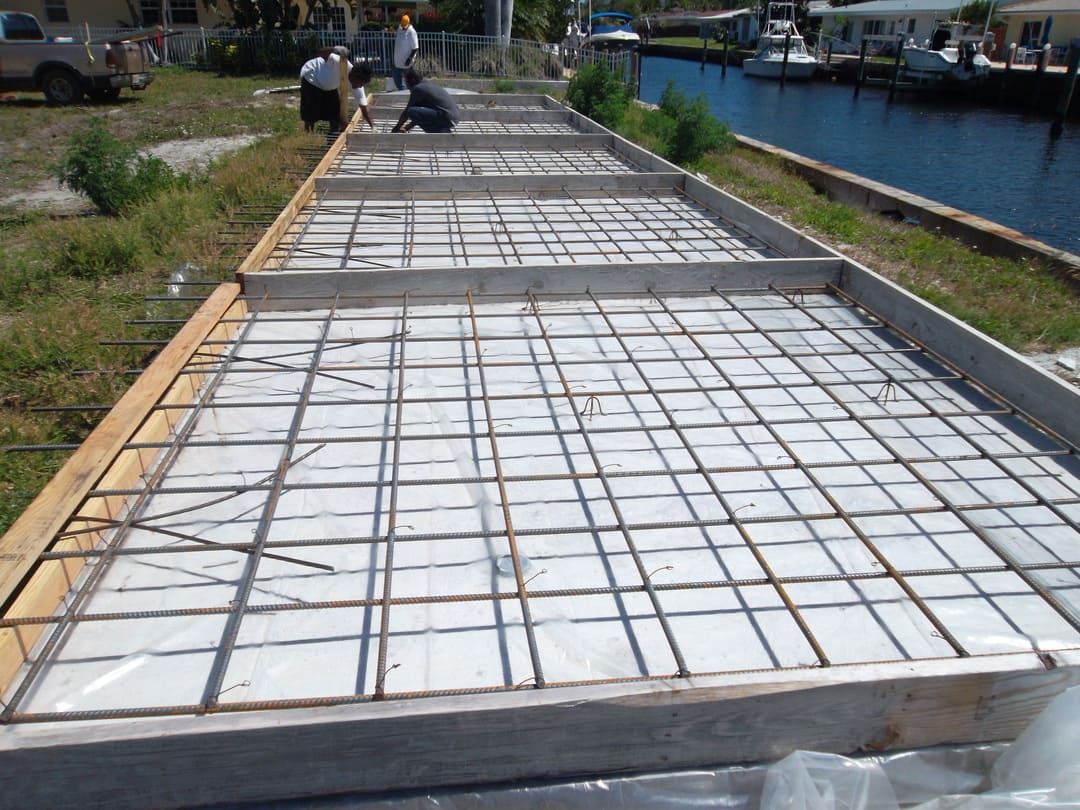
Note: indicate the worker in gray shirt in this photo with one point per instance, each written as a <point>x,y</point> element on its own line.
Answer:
<point>429,107</point>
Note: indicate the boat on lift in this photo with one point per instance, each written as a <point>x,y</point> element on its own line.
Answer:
<point>611,31</point>
<point>780,33</point>
<point>944,59</point>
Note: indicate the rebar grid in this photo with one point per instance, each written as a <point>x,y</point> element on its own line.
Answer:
<point>708,408</point>
<point>410,160</point>
<point>490,228</point>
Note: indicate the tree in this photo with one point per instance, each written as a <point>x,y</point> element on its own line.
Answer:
<point>265,15</point>
<point>540,20</point>
<point>976,13</point>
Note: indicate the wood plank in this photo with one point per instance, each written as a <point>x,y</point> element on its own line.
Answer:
<point>529,734</point>
<point>46,588</point>
<point>56,503</point>
<point>49,584</point>
<point>1039,394</point>
<point>290,214</point>
<point>288,289</point>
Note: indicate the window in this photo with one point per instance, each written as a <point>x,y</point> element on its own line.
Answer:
<point>20,26</point>
<point>184,11</point>
<point>911,26</point>
<point>873,27</point>
<point>1029,36</point>
<point>56,10</point>
<point>334,20</point>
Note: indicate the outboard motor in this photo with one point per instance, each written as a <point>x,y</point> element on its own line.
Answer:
<point>969,55</point>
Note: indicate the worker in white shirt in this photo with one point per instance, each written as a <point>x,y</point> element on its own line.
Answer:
<point>359,76</point>
<point>319,81</point>
<point>406,47</point>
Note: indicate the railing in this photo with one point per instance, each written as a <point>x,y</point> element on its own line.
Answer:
<point>284,52</point>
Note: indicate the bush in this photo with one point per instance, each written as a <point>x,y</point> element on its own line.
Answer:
<point>598,93</point>
<point>112,174</point>
<point>687,128</point>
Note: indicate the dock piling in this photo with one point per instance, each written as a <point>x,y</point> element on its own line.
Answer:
<point>862,67</point>
<point>1040,71</point>
<point>787,49</point>
<point>1065,99</point>
<point>896,67</point>
<point>723,63</point>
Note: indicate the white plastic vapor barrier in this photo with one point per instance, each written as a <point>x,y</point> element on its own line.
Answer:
<point>486,495</point>
<point>1040,770</point>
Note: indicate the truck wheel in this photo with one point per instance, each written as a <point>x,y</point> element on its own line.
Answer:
<point>62,87</point>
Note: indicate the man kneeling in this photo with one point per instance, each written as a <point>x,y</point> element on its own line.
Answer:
<point>429,107</point>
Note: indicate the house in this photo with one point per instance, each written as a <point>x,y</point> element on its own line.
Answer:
<point>1033,23</point>
<point>914,19</point>
<point>740,23</point>
<point>61,16</point>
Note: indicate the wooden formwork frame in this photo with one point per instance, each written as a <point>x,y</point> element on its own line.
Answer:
<point>457,739</point>
<point>32,588</point>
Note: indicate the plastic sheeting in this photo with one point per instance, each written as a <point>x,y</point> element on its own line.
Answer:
<point>1041,769</point>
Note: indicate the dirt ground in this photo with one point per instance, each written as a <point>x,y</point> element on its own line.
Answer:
<point>182,155</point>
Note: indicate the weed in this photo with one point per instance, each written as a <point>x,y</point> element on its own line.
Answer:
<point>695,130</point>
<point>596,92</point>
<point>112,174</point>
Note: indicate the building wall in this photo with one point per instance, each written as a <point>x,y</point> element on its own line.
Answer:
<point>99,13</point>
<point>884,25</point>
<point>116,14</point>
<point>1064,28</point>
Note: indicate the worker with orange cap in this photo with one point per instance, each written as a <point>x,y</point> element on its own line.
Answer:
<point>406,46</point>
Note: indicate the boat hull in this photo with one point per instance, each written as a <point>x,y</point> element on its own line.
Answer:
<point>945,65</point>
<point>772,68</point>
<point>615,40</point>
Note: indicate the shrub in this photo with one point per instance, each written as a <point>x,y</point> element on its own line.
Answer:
<point>598,93</point>
<point>112,174</point>
<point>693,130</point>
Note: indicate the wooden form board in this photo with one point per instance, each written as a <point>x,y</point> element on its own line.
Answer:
<point>531,734</point>
<point>1041,395</point>
<point>292,211</point>
<point>101,461</point>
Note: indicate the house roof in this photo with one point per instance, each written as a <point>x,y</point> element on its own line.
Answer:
<point>703,17</point>
<point>879,8</point>
<point>1041,7</point>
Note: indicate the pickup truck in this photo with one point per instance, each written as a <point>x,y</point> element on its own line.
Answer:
<point>64,69</point>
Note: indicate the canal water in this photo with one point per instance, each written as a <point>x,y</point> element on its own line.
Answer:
<point>997,164</point>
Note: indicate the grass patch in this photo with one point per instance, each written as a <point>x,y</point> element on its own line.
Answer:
<point>68,283</point>
<point>1024,304</point>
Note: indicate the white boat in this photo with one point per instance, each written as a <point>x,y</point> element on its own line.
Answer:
<point>780,33</point>
<point>611,31</point>
<point>938,61</point>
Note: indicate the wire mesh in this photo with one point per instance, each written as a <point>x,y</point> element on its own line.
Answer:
<point>400,501</point>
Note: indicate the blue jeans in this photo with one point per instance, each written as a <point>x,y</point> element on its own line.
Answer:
<point>398,75</point>
<point>429,119</point>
